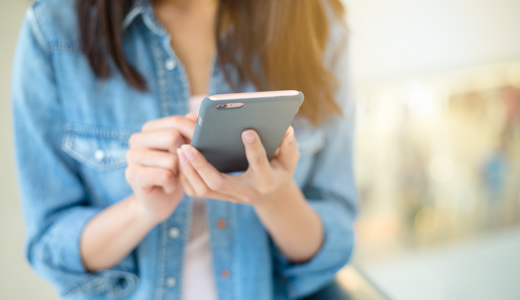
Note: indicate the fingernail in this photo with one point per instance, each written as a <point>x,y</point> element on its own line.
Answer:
<point>249,136</point>
<point>290,137</point>
<point>182,157</point>
<point>189,153</point>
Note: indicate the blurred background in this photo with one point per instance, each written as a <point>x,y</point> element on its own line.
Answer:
<point>437,84</point>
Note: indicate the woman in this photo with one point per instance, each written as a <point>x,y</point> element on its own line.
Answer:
<point>116,208</point>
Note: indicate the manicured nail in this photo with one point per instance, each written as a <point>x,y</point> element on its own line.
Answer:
<point>290,137</point>
<point>182,157</point>
<point>249,136</point>
<point>187,150</point>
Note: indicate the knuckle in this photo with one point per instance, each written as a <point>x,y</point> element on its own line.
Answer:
<point>173,137</point>
<point>132,140</point>
<point>173,121</point>
<point>166,176</point>
<point>175,184</point>
<point>127,174</point>
<point>146,126</point>
<point>256,159</point>
<point>131,156</point>
<point>217,185</point>
<point>171,161</point>
<point>176,119</point>
<point>130,174</point>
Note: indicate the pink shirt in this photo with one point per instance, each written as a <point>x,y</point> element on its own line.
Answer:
<point>198,282</point>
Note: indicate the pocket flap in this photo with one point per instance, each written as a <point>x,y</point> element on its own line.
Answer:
<point>101,149</point>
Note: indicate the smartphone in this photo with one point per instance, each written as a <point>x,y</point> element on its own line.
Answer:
<point>223,118</point>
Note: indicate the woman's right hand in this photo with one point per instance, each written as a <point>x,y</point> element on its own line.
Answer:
<point>152,170</point>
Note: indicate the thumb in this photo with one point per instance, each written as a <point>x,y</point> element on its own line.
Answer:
<point>289,154</point>
<point>191,116</point>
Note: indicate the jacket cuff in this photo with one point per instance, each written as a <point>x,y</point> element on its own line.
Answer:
<point>57,257</point>
<point>110,283</point>
<point>338,241</point>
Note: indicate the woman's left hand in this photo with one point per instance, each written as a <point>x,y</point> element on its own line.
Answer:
<point>261,180</point>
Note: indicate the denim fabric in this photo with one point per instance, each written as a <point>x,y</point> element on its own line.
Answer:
<point>71,136</point>
<point>332,291</point>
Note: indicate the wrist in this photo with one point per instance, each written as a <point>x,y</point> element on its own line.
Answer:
<point>140,213</point>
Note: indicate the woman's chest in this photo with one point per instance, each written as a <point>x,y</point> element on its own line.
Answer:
<point>101,115</point>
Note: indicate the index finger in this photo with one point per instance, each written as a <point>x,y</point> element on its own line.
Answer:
<point>184,125</point>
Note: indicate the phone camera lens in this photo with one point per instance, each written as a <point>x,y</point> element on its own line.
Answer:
<point>222,106</point>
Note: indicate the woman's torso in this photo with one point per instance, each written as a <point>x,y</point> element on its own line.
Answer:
<point>99,117</point>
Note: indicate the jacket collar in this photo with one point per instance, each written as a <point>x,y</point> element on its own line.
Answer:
<point>144,9</point>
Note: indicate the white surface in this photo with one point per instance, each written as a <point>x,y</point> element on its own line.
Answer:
<point>404,38</point>
<point>485,268</point>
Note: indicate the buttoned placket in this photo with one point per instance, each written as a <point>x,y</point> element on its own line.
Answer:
<point>174,92</point>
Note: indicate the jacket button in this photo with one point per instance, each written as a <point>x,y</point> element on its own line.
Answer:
<point>221,223</point>
<point>170,64</point>
<point>171,281</point>
<point>225,273</point>
<point>99,155</point>
<point>224,58</point>
<point>173,233</point>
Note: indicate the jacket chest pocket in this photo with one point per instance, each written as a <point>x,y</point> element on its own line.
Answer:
<point>310,142</point>
<point>101,158</point>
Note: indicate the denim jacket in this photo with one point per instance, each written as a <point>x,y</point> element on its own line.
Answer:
<point>71,137</point>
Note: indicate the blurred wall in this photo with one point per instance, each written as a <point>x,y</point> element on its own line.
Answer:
<point>406,38</point>
<point>17,281</point>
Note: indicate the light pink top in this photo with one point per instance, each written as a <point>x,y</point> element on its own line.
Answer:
<point>198,282</point>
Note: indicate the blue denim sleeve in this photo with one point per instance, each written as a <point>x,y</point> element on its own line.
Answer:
<point>54,199</point>
<point>331,192</point>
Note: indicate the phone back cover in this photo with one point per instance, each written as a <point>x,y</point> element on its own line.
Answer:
<point>219,139</point>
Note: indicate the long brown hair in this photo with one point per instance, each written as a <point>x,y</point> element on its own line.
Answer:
<point>288,37</point>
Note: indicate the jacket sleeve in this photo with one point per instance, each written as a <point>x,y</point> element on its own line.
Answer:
<point>54,199</point>
<point>330,191</point>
